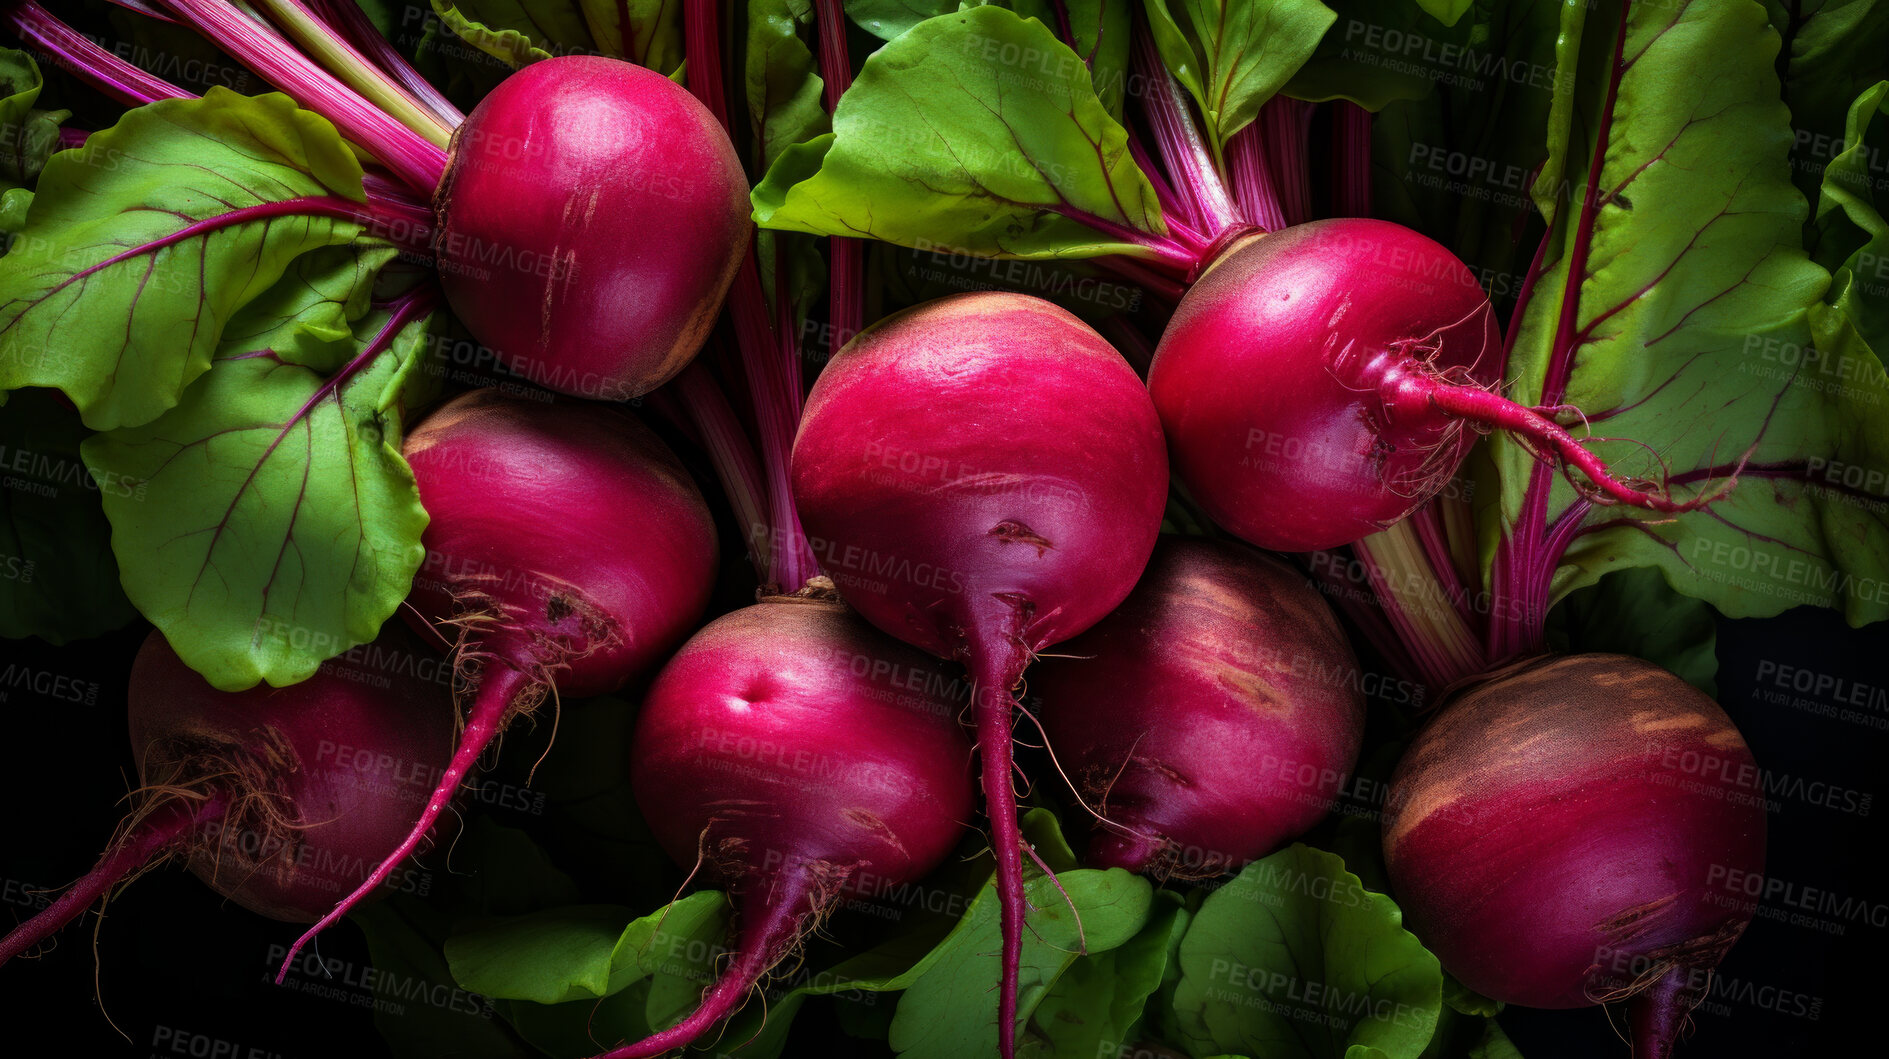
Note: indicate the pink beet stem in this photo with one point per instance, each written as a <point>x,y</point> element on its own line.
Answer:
<point>170,826</point>
<point>1656,1014</point>
<point>770,925</point>
<point>995,668</point>
<point>500,686</point>
<point>1481,406</point>
<point>83,57</point>
<point>845,306</point>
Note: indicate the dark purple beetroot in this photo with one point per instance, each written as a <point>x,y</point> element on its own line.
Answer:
<point>1575,832</point>
<point>1211,718</point>
<point>281,799</point>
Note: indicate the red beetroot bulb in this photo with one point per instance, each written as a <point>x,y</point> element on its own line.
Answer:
<point>280,799</point>
<point>983,476</point>
<point>591,219</point>
<point>796,754</point>
<point>1282,380</point>
<point>1211,718</point>
<point>1571,832</point>
<point>567,550</point>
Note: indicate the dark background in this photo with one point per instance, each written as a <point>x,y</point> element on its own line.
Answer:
<point>183,973</point>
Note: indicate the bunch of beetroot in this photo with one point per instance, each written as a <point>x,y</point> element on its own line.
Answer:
<point>982,480</point>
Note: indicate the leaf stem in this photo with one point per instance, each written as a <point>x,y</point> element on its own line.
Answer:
<point>418,160</point>
<point>1418,604</point>
<point>732,455</point>
<point>1189,158</point>
<point>1333,571</point>
<point>1433,529</point>
<point>1351,157</point>
<point>1252,181</point>
<point>1522,570</point>
<point>347,19</point>
<point>1168,290</point>
<point>394,215</point>
<point>1174,210</point>
<point>1286,124</point>
<point>769,358</point>
<point>80,55</point>
<point>353,69</point>
<point>1561,361</point>
<point>845,307</point>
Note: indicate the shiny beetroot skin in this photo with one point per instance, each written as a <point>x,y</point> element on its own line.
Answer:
<point>324,777</point>
<point>797,754</point>
<point>570,527</point>
<point>982,476</point>
<point>1294,380</point>
<point>592,216</point>
<point>1578,831</point>
<point>1211,718</point>
<point>796,728</point>
<point>567,550</point>
<point>981,473</point>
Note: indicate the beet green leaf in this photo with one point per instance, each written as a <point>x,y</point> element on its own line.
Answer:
<point>1678,307</point>
<point>141,246</point>
<point>275,523</point>
<point>977,130</point>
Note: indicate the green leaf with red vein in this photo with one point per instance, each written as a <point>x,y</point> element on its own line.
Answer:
<point>646,32</point>
<point>979,131</point>
<point>142,245</point>
<point>1676,308</point>
<point>1234,56</point>
<point>278,524</point>
<point>309,317</point>
<point>1097,30</point>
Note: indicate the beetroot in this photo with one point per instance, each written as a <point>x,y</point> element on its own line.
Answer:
<point>567,547</point>
<point>1211,718</point>
<point>587,217</point>
<point>982,476</point>
<point>1319,383</point>
<point>1552,838</point>
<point>281,799</point>
<point>795,754</point>
<point>592,216</point>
